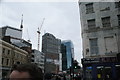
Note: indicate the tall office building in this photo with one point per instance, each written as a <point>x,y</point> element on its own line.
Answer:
<point>100,24</point>
<point>67,50</point>
<point>51,49</point>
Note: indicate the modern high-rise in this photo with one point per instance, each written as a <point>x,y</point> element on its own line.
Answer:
<point>51,49</point>
<point>67,50</point>
<point>100,24</point>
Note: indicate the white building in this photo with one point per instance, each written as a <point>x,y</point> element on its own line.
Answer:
<point>38,58</point>
<point>100,24</point>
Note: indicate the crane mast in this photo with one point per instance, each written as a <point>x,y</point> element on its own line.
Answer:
<point>39,29</point>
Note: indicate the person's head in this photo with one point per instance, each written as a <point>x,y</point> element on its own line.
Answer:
<point>26,71</point>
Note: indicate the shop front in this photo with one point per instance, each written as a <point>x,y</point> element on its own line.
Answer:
<point>107,68</point>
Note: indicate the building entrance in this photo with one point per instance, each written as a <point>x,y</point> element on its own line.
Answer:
<point>101,69</point>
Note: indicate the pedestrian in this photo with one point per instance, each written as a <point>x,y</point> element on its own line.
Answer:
<point>26,71</point>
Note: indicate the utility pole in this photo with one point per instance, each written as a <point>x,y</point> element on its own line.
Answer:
<point>39,29</point>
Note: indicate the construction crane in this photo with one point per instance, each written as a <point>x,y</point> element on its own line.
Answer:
<point>39,29</point>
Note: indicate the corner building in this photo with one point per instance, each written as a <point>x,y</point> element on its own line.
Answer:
<point>100,24</point>
<point>10,55</point>
<point>13,49</point>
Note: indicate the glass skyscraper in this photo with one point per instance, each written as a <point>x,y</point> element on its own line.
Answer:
<point>68,53</point>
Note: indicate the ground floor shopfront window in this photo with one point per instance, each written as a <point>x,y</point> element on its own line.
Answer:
<point>102,71</point>
<point>118,71</point>
<point>88,73</point>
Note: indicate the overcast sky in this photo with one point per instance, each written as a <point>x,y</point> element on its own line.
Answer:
<point>62,19</point>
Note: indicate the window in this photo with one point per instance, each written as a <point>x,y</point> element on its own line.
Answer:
<point>49,60</point>
<point>88,73</point>
<point>33,56</point>
<point>89,8</point>
<point>18,62</point>
<point>33,51</point>
<point>8,52</point>
<point>117,71</point>
<point>3,51</point>
<point>117,4</point>
<point>32,60</point>
<point>93,46</point>
<point>91,23</point>
<point>7,62</point>
<point>119,20</point>
<point>2,60</point>
<point>104,72</point>
<point>106,22</point>
<point>110,44</point>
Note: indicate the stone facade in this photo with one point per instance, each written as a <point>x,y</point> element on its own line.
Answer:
<point>11,55</point>
<point>100,28</point>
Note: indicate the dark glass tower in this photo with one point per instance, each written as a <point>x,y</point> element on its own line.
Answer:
<point>67,50</point>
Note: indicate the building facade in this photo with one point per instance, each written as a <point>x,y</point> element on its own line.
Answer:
<point>15,33</point>
<point>38,58</point>
<point>14,36</point>
<point>67,50</point>
<point>51,49</point>
<point>100,24</point>
<point>11,55</point>
<point>15,50</point>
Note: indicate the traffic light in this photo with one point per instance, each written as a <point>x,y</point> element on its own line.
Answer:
<point>75,67</point>
<point>75,64</point>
